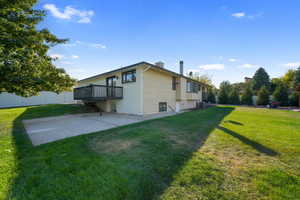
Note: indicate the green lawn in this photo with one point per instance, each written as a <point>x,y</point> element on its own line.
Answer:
<point>217,153</point>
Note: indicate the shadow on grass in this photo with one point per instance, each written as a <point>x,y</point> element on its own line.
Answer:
<point>69,169</point>
<point>234,122</point>
<point>25,155</point>
<point>259,147</point>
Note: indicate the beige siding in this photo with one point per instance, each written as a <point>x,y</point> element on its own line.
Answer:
<point>186,104</point>
<point>182,95</point>
<point>132,92</point>
<point>157,88</point>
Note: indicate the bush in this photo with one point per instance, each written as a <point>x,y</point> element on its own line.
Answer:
<point>211,96</point>
<point>223,96</point>
<point>234,97</point>
<point>263,96</point>
<point>281,95</point>
<point>293,99</point>
<point>246,97</point>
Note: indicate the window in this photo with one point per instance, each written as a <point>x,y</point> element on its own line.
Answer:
<point>192,87</point>
<point>162,106</point>
<point>173,83</point>
<point>129,76</point>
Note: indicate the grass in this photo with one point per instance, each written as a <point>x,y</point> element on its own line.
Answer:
<point>218,153</point>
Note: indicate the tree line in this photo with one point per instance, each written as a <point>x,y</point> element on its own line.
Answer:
<point>284,91</point>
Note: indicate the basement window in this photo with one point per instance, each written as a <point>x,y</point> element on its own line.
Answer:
<point>162,106</point>
<point>129,76</point>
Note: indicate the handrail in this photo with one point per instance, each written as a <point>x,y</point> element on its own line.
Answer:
<point>99,86</point>
<point>98,92</point>
<point>107,86</point>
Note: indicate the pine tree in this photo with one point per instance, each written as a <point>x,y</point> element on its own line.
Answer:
<point>263,96</point>
<point>260,78</point>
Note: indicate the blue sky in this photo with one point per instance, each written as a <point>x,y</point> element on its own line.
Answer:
<point>225,39</point>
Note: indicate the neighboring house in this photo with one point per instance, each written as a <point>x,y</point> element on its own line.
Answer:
<point>141,89</point>
<point>248,80</point>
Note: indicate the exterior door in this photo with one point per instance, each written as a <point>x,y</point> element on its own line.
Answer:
<point>111,83</point>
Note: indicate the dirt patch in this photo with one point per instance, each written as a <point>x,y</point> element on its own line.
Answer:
<point>113,146</point>
<point>177,141</point>
<point>236,160</point>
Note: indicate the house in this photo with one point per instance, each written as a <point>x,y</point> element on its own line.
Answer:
<point>141,89</point>
<point>248,80</point>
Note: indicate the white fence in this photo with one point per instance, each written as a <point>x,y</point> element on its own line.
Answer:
<point>12,100</point>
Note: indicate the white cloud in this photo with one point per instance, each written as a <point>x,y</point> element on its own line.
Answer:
<point>292,64</point>
<point>76,72</point>
<point>56,56</point>
<point>66,62</point>
<point>232,60</point>
<point>69,45</point>
<point>255,16</point>
<point>87,44</point>
<point>97,45</point>
<point>74,56</point>
<point>248,66</point>
<point>83,16</point>
<point>212,67</point>
<point>238,14</point>
<point>84,20</point>
<point>244,15</point>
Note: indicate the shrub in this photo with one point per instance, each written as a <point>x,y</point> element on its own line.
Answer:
<point>246,97</point>
<point>263,96</point>
<point>211,96</point>
<point>293,99</point>
<point>234,97</point>
<point>281,95</point>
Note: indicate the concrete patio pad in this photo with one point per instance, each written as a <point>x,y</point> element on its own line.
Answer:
<point>49,129</point>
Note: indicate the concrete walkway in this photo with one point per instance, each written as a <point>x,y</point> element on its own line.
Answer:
<point>49,129</point>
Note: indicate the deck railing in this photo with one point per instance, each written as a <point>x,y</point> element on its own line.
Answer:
<point>98,92</point>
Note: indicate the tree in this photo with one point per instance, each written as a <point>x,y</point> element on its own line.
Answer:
<point>260,78</point>
<point>281,95</point>
<point>211,97</point>
<point>288,77</point>
<point>246,97</point>
<point>223,96</point>
<point>296,84</point>
<point>263,96</point>
<point>201,78</point>
<point>293,98</point>
<point>234,97</point>
<point>239,86</point>
<point>25,67</point>
<point>275,82</point>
